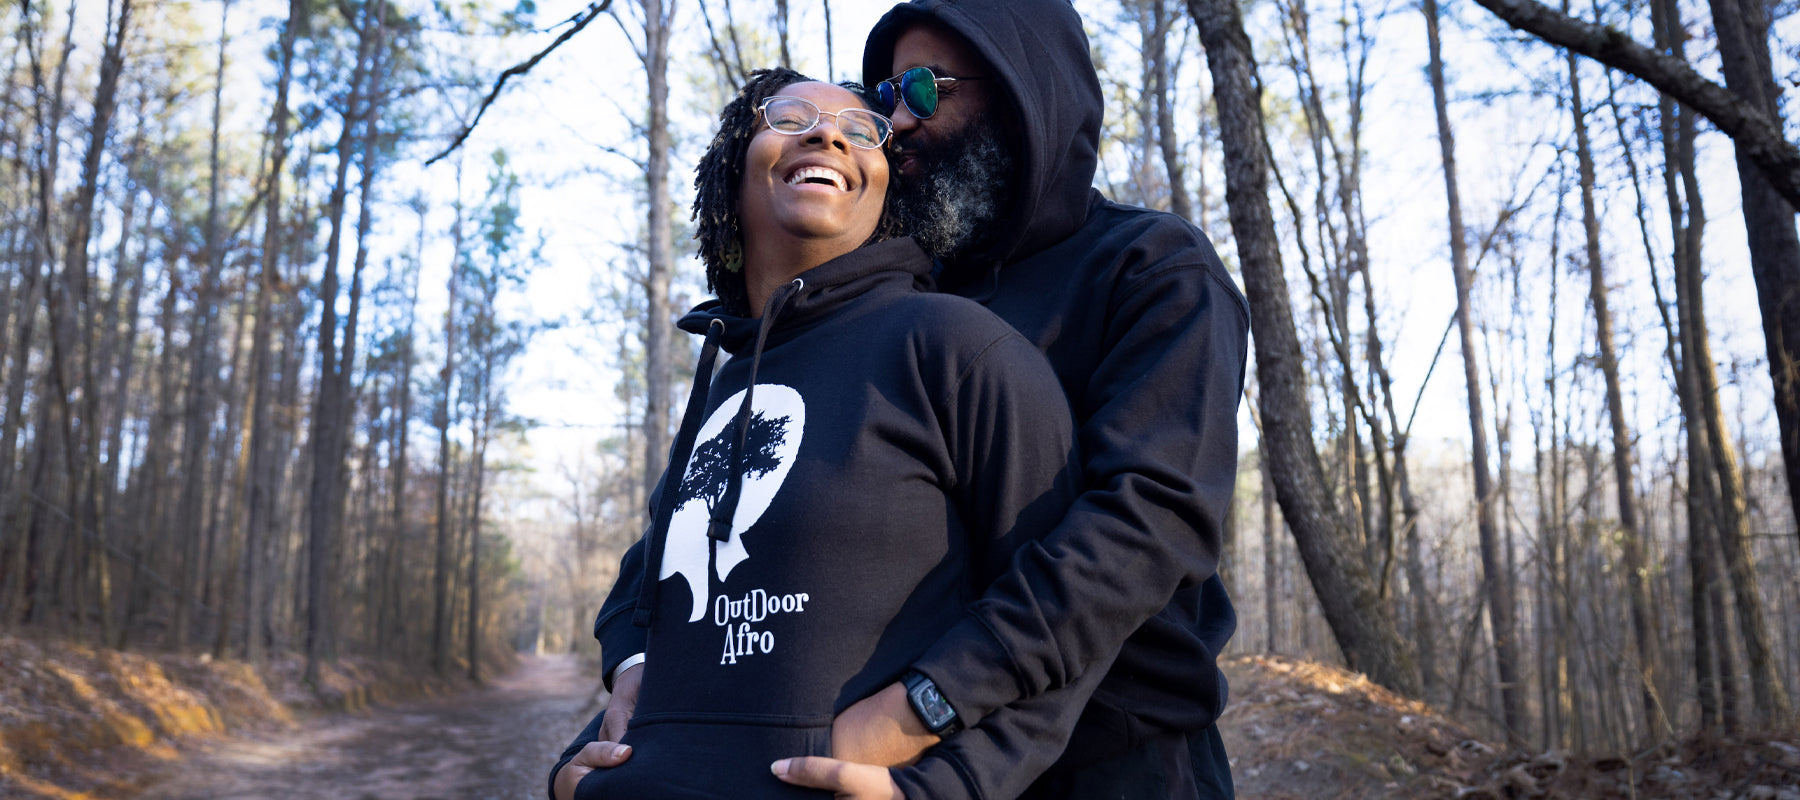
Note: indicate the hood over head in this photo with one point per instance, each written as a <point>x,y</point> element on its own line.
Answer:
<point>1039,52</point>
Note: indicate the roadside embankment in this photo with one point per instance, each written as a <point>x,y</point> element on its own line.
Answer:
<point>79,722</point>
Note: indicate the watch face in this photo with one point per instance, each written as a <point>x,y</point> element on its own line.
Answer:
<point>932,706</point>
<point>935,705</point>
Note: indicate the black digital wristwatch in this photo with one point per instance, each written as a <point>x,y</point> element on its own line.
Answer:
<point>926,701</point>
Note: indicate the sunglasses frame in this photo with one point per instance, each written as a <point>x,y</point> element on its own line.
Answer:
<point>897,87</point>
<point>887,131</point>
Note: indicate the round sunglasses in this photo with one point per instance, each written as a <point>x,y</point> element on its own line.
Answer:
<point>917,88</point>
<point>794,116</point>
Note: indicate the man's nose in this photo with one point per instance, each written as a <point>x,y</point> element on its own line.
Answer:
<point>903,119</point>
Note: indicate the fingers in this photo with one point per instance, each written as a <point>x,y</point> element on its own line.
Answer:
<point>568,778</point>
<point>601,755</point>
<point>620,706</point>
<point>845,779</point>
<point>612,729</point>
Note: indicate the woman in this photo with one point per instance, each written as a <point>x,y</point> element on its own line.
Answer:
<point>865,463</point>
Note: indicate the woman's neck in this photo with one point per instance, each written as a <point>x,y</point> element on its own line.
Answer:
<point>767,268</point>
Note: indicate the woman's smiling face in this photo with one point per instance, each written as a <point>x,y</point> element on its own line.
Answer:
<point>813,191</point>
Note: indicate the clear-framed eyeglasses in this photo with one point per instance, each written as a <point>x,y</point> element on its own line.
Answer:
<point>795,115</point>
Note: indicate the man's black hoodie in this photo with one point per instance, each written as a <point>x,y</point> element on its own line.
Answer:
<point>871,457</point>
<point>1148,336</point>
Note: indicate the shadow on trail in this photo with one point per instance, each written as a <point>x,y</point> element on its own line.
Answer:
<point>498,742</point>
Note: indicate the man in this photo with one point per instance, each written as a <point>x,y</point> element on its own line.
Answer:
<point>996,146</point>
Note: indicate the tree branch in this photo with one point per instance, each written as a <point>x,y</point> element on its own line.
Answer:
<point>1749,128</point>
<point>580,21</point>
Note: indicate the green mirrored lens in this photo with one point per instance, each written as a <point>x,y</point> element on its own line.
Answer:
<point>919,87</point>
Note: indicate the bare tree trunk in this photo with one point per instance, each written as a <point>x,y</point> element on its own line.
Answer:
<point>658,366</point>
<point>485,424</point>
<point>442,420</point>
<point>781,31</point>
<point>1157,53</point>
<point>1362,622</point>
<point>1496,584</point>
<point>197,425</point>
<point>1271,541</point>
<point>390,605</point>
<point>261,488</point>
<point>327,438</point>
<point>830,48</point>
<point>1743,30</point>
<point>1631,536</point>
<point>47,113</point>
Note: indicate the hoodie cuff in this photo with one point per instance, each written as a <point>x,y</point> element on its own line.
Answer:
<point>934,777</point>
<point>619,641</point>
<point>973,670</point>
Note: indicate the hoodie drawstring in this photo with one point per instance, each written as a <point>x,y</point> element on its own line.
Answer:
<point>671,490</point>
<point>719,528</point>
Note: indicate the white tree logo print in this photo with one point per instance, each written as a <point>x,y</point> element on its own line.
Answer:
<point>777,422</point>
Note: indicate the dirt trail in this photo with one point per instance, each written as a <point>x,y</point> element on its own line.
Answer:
<point>495,743</point>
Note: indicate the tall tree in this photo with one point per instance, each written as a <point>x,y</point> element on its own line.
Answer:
<point>1496,583</point>
<point>657,18</point>
<point>441,418</point>
<point>1743,31</point>
<point>328,437</point>
<point>1361,620</point>
<point>1624,477</point>
<point>260,489</point>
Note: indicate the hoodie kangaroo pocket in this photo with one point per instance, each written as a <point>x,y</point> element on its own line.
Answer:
<point>690,760</point>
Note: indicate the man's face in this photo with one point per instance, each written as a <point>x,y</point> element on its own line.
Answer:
<point>953,171</point>
<point>959,104</point>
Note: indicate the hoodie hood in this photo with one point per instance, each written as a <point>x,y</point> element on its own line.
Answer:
<point>1038,50</point>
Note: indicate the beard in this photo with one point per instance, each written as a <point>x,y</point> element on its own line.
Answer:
<point>950,206</point>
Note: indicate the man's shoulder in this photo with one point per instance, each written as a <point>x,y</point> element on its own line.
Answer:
<point>1156,235</point>
<point>1138,246</point>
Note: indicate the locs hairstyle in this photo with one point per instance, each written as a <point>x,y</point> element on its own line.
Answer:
<point>720,175</point>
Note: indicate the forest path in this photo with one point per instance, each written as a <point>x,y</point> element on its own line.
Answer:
<point>492,743</point>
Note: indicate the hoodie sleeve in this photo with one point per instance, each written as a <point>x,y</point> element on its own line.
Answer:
<point>1011,440</point>
<point>1006,752</point>
<point>1159,450</point>
<point>1010,432</point>
<point>619,639</point>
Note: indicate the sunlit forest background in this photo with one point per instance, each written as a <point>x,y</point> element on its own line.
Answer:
<point>298,360</point>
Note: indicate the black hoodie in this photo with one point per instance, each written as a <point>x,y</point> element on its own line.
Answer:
<point>895,449</point>
<point>1148,336</point>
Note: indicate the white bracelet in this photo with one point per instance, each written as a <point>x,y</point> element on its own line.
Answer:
<point>625,665</point>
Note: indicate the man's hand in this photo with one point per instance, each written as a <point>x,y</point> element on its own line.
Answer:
<point>845,780</point>
<point>880,729</point>
<point>606,753</point>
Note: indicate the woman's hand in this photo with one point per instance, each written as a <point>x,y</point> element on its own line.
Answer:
<point>606,753</point>
<point>847,781</point>
<point>620,707</point>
